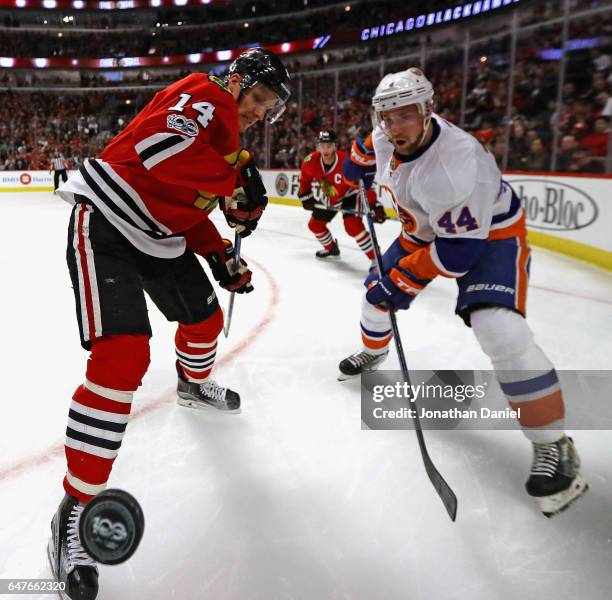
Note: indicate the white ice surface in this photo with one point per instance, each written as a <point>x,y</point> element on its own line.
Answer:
<point>291,499</point>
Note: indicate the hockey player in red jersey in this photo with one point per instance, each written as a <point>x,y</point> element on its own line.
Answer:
<point>462,221</point>
<point>140,216</point>
<point>324,166</point>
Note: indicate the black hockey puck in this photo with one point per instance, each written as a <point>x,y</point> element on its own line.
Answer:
<point>111,527</point>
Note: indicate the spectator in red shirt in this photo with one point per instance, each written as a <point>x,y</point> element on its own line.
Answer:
<point>597,141</point>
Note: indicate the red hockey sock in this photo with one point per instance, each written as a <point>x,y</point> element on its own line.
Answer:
<point>355,228</point>
<point>322,233</point>
<point>100,410</point>
<point>196,346</point>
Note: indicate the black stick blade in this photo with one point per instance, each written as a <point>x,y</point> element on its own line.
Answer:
<point>444,490</point>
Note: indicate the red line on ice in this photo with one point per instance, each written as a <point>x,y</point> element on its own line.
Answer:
<point>572,294</point>
<point>53,452</point>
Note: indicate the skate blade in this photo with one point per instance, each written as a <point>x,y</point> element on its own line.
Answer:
<point>327,257</point>
<point>51,557</point>
<point>199,405</point>
<point>557,503</point>
<point>52,563</point>
<point>344,377</point>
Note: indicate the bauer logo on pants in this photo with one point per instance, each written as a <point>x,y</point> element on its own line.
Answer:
<point>489,287</point>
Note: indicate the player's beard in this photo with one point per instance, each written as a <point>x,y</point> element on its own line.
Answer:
<point>407,148</point>
<point>410,145</point>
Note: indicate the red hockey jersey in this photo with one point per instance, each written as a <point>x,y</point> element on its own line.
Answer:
<point>333,184</point>
<point>147,179</point>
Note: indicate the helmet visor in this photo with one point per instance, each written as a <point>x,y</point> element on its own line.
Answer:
<point>399,119</point>
<point>266,102</point>
<point>276,112</point>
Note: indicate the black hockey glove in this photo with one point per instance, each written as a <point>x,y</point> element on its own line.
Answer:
<point>308,201</point>
<point>378,212</point>
<point>230,275</point>
<point>244,207</point>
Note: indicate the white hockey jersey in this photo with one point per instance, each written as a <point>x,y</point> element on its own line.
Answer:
<point>449,189</point>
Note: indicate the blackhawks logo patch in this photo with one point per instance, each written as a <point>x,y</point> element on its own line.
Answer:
<point>328,189</point>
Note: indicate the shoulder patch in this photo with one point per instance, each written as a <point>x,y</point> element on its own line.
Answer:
<point>220,83</point>
<point>308,157</point>
<point>180,123</point>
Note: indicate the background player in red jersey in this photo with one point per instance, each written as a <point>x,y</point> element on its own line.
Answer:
<point>325,167</point>
<point>140,216</point>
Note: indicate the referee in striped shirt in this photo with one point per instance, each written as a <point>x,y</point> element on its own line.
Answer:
<point>59,166</point>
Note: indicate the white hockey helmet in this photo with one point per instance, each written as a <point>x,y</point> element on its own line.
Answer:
<point>402,89</point>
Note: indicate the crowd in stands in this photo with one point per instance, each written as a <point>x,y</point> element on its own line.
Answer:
<point>36,126</point>
<point>32,125</point>
<point>521,140</point>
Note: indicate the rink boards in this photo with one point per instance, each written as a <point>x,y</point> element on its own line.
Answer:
<point>567,213</point>
<point>571,214</point>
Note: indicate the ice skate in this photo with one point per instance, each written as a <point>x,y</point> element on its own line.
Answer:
<point>208,394</point>
<point>555,481</point>
<point>70,564</point>
<point>358,363</point>
<point>327,254</point>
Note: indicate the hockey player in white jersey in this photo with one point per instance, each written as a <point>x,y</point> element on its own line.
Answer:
<point>460,220</point>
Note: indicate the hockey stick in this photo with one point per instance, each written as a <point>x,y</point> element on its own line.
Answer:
<point>230,306</point>
<point>348,211</point>
<point>444,491</point>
